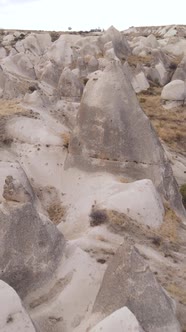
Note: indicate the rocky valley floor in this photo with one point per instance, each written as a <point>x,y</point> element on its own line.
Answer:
<point>92,159</point>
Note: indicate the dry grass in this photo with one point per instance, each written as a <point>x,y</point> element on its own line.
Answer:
<point>66,139</point>
<point>169,228</point>
<point>122,179</point>
<point>133,60</point>
<point>56,213</point>
<point>177,292</point>
<point>9,107</point>
<point>170,125</point>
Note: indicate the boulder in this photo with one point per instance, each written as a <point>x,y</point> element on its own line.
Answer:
<point>138,200</point>
<point>93,64</point>
<point>175,90</point>
<point>2,52</point>
<point>37,43</point>
<point>31,246</point>
<point>8,39</point>
<point>129,282</point>
<point>13,316</point>
<point>151,41</point>
<point>19,64</point>
<point>119,41</point>
<point>157,74</point>
<point>120,320</point>
<point>50,74</point>
<point>175,46</point>
<point>69,84</point>
<point>180,72</point>
<point>113,133</point>
<point>61,52</point>
<point>138,79</point>
<point>87,46</point>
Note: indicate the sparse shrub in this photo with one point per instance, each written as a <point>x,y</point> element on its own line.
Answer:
<point>66,140</point>
<point>98,217</point>
<point>54,35</point>
<point>156,240</point>
<point>183,193</point>
<point>32,88</point>
<point>123,180</point>
<point>8,141</point>
<point>56,212</point>
<point>85,80</point>
<point>173,66</point>
<point>101,260</point>
<point>142,100</point>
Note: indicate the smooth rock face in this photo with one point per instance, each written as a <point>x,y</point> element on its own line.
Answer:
<point>113,133</point>
<point>120,44</point>
<point>175,90</point>
<point>14,184</point>
<point>129,282</point>
<point>31,247</point>
<point>138,80</point>
<point>19,64</point>
<point>13,317</point>
<point>121,320</point>
<point>140,201</point>
<point>180,72</point>
<point>69,84</point>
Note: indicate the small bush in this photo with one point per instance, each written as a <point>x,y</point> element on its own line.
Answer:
<point>173,66</point>
<point>66,139</point>
<point>98,217</point>
<point>183,193</point>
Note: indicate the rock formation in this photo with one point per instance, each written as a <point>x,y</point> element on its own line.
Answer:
<point>31,246</point>
<point>13,316</point>
<point>129,282</point>
<point>113,133</point>
<point>120,320</point>
<point>83,173</point>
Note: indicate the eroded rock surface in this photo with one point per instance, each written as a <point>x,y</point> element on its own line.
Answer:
<point>114,134</point>
<point>13,316</point>
<point>31,246</point>
<point>129,282</point>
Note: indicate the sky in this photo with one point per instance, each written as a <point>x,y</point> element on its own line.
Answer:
<point>59,15</point>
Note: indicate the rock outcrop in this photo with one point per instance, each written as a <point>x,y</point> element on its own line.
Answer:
<point>129,282</point>
<point>13,316</point>
<point>119,42</point>
<point>113,133</point>
<point>120,320</point>
<point>174,91</point>
<point>31,246</point>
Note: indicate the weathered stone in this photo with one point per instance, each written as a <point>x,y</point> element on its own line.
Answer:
<point>13,316</point>
<point>114,134</point>
<point>120,320</point>
<point>93,64</point>
<point>138,80</point>
<point>69,84</point>
<point>175,90</point>
<point>37,43</point>
<point>120,44</point>
<point>61,52</point>
<point>180,72</point>
<point>140,201</point>
<point>19,64</point>
<point>2,52</point>
<point>31,247</point>
<point>129,282</point>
